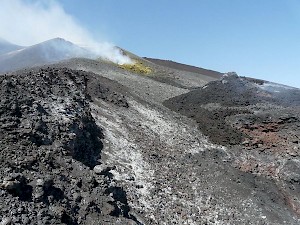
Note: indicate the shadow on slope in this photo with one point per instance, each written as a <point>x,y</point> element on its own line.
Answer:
<point>213,104</point>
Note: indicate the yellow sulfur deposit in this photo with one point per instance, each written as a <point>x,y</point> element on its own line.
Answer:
<point>136,67</point>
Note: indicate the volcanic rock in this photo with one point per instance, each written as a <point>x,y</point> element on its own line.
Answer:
<point>78,148</point>
<point>49,143</point>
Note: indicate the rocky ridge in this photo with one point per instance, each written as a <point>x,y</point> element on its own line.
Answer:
<point>259,123</point>
<point>51,171</point>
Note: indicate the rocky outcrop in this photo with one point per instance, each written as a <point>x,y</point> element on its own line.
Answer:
<point>50,144</point>
<point>259,123</point>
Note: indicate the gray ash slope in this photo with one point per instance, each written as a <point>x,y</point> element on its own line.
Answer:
<point>83,149</point>
<point>186,68</point>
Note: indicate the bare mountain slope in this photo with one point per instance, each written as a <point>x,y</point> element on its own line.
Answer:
<point>6,47</point>
<point>85,150</point>
<point>163,75</point>
<point>259,123</point>
<point>44,53</point>
<point>184,67</point>
<point>89,142</point>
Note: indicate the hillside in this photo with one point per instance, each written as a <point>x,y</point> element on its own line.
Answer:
<point>43,53</point>
<point>6,47</point>
<point>184,67</point>
<point>86,141</point>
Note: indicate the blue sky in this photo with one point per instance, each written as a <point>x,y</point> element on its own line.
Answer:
<point>254,38</point>
<point>257,38</point>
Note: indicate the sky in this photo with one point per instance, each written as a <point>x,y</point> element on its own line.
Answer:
<point>254,38</point>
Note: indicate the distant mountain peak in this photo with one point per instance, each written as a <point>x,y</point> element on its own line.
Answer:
<point>58,41</point>
<point>46,52</point>
<point>3,40</point>
<point>6,46</point>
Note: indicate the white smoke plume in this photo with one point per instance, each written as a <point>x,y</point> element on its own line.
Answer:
<point>28,22</point>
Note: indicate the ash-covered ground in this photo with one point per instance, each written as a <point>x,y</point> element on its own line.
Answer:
<point>258,121</point>
<point>85,142</point>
